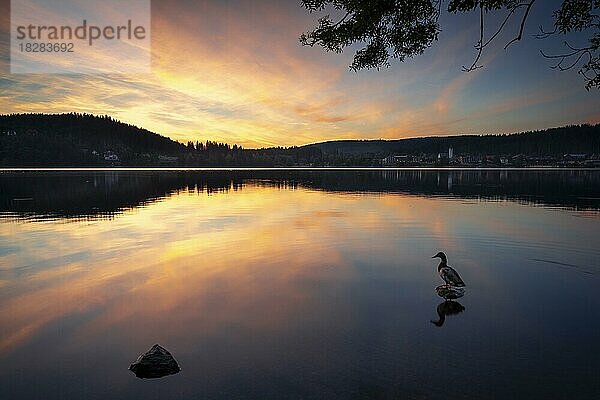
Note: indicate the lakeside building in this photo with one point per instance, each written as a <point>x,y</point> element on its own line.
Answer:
<point>491,160</point>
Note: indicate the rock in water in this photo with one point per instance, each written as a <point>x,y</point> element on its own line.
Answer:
<point>450,292</point>
<point>155,363</point>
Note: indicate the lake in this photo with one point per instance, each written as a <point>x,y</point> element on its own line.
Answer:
<point>300,284</point>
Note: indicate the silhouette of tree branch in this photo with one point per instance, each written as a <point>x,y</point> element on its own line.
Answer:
<point>544,34</point>
<point>501,27</point>
<point>311,41</point>
<point>577,15</point>
<point>479,46</point>
<point>578,54</point>
<point>525,15</point>
<point>400,29</point>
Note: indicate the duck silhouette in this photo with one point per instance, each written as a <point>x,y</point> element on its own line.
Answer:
<point>445,308</point>
<point>448,274</point>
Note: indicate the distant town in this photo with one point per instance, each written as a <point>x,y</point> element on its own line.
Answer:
<point>449,158</point>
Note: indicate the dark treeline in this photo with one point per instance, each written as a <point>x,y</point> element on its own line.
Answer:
<point>75,139</point>
<point>87,140</point>
<point>553,141</point>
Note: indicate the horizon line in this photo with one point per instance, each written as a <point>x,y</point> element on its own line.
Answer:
<point>216,169</point>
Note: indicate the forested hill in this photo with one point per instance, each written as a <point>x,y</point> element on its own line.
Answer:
<point>75,139</point>
<point>87,140</point>
<point>551,142</point>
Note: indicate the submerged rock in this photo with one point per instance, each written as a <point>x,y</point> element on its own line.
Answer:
<point>155,363</point>
<point>450,292</point>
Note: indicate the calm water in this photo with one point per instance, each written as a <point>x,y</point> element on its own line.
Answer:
<point>299,284</point>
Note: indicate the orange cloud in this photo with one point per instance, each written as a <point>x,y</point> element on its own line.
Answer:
<point>237,73</point>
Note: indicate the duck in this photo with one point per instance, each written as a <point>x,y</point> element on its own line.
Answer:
<point>448,274</point>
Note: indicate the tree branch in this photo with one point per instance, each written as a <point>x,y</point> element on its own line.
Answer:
<point>578,53</point>
<point>544,34</point>
<point>479,46</point>
<point>525,15</point>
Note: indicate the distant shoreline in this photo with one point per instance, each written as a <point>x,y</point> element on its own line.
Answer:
<point>200,169</point>
<point>80,141</point>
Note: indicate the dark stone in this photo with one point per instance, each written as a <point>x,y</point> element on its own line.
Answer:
<point>155,363</point>
<point>450,292</point>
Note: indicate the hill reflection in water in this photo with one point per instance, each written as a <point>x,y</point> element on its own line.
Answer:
<point>83,194</point>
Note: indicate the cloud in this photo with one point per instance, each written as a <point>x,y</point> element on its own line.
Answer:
<point>235,72</point>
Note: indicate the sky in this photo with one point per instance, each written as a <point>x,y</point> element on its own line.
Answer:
<point>234,71</point>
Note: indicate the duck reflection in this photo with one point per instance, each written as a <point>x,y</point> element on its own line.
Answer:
<point>449,306</point>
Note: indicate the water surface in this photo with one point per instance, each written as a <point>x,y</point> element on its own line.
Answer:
<point>299,284</point>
